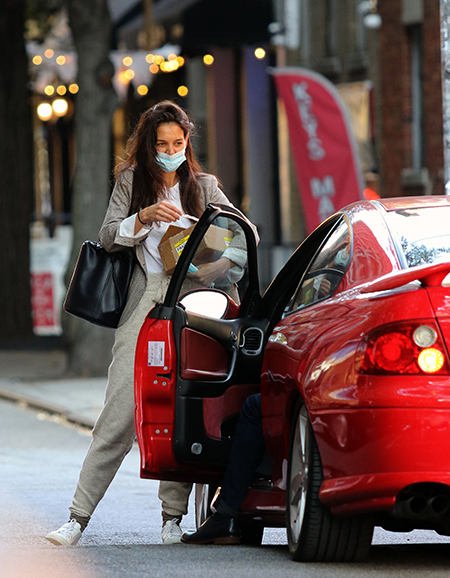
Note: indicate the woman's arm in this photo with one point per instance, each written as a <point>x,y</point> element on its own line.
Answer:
<point>215,195</point>
<point>119,229</point>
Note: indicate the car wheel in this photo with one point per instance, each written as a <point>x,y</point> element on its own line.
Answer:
<point>314,534</point>
<point>204,493</point>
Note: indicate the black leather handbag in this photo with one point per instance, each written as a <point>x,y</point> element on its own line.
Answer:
<point>99,286</point>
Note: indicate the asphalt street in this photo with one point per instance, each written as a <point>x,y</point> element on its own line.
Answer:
<point>41,454</point>
<point>45,431</point>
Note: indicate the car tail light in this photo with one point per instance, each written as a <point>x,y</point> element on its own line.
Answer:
<point>410,348</point>
<point>430,360</point>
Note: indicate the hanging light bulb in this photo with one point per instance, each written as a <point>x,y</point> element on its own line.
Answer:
<point>369,11</point>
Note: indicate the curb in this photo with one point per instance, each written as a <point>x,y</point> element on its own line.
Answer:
<point>48,407</point>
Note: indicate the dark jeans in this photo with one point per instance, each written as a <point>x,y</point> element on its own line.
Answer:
<point>247,451</point>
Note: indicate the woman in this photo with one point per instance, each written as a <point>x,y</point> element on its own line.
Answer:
<point>158,183</point>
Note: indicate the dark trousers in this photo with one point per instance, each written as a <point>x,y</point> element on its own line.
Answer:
<point>247,451</point>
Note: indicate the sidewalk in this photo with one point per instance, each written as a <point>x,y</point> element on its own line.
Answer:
<point>35,378</point>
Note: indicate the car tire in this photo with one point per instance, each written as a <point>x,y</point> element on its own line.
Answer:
<point>314,534</point>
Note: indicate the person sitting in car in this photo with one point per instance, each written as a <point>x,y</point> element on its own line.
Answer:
<point>246,454</point>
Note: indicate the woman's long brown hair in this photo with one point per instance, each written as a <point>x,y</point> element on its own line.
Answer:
<point>140,154</point>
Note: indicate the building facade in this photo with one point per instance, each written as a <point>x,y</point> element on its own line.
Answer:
<point>388,73</point>
<point>397,60</point>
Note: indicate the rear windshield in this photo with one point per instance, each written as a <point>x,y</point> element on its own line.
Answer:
<point>422,235</point>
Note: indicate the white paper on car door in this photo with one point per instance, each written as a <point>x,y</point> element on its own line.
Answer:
<point>156,353</point>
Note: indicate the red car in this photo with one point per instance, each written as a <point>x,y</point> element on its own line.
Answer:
<point>349,349</point>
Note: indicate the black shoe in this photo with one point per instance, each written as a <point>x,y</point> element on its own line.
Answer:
<point>217,529</point>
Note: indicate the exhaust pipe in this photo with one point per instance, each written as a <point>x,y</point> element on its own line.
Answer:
<point>412,508</point>
<point>439,505</point>
<point>419,507</point>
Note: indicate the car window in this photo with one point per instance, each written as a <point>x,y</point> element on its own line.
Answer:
<point>220,261</point>
<point>422,234</point>
<point>326,270</point>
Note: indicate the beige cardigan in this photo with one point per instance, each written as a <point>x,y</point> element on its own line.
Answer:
<point>119,209</point>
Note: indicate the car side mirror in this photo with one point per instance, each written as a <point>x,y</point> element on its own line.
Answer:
<point>207,302</point>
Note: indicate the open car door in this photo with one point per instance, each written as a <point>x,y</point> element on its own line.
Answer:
<point>195,366</point>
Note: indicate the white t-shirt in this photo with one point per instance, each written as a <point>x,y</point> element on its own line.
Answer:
<point>154,232</point>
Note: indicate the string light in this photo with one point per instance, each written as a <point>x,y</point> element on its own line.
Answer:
<point>170,66</point>
<point>44,111</point>
<point>208,59</point>
<point>260,53</point>
<point>156,61</point>
<point>182,90</point>
<point>60,106</point>
<point>122,77</point>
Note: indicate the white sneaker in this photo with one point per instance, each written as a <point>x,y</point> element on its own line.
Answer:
<point>67,535</point>
<point>171,532</point>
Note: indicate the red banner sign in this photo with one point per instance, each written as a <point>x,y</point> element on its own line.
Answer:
<point>43,301</point>
<point>324,149</point>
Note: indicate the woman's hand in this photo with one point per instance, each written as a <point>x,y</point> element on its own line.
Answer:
<point>211,272</point>
<point>163,211</point>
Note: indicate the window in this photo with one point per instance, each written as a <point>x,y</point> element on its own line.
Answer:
<point>331,28</point>
<point>416,96</point>
<point>326,269</point>
<point>421,235</point>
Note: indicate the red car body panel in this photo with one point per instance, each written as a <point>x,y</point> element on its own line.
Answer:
<point>155,398</point>
<point>376,433</point>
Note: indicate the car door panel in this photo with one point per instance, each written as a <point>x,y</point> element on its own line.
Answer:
<point>192,444</point>
<point>202,357</point>
<point>218,411</point>
<point>155,396</point>
<point>185,406</point>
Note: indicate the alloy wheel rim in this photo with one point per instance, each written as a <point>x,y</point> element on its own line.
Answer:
<point>298,475</point>
<point>203,505</point>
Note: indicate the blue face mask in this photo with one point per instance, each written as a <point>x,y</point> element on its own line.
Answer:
<point>341,258</point>
<point>170,163</point>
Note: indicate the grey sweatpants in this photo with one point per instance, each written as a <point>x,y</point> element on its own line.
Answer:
<point>114,431</point>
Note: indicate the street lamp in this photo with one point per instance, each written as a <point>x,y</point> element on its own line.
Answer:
<point>370,16</point>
